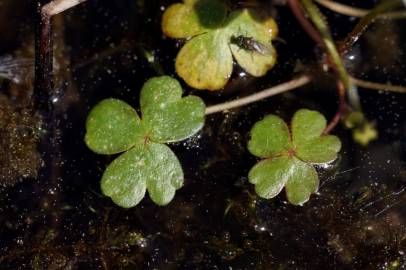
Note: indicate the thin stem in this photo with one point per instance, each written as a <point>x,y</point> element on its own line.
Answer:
<point>358,12</point>
<point>341,107</point>
<point>278,89</point>
<point>43,84</point>
<point>343,9</point>
<point>321,25</point>
<point>307,26</point>
<point>58,6</point>
<point>379,86</point>
<point>366,21</point>
<point>50,146</point>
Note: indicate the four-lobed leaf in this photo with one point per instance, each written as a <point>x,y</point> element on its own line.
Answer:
<point>206,60</point>
<point>289,156</point>
<point>113,126</point>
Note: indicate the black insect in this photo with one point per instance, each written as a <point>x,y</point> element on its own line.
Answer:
<point>250,44</point>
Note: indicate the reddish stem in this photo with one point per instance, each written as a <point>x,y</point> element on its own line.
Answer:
<point>306,24</point>
<point>315,35</point>
<point>341,107</point>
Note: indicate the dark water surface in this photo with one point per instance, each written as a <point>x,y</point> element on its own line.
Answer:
<point>357,221</point>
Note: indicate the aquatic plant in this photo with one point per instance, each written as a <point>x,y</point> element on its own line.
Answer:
<point>214,36</point>
<point>147,163</point>
<point>288,156</point>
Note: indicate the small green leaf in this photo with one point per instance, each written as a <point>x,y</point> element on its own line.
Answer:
<point>170,117</point>
<point>311,146</point>
<point>319,150</point>
<point>303,181</point>
<point>289,160</point>
<point>270,176</point>
<point>150,166</point>
<point>269,137</point>
<point>307,125</point>
<point>205,62</point>
<point>112,127</point>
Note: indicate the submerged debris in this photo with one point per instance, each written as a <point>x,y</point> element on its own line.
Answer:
<point>18,70</point>
<point>18,142</point>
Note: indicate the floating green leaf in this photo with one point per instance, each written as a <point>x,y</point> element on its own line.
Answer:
<point>151,166</point>
<point>289,157</point>
<point>171,117</point>
<point>113,126</point>
<point>269,137</point>
<point>205,61</point>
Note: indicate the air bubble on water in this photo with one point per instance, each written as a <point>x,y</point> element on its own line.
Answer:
<point>260,228</point>
<point>20,241</point>
<point>242,74</point>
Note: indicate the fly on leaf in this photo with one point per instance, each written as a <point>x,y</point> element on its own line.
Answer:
<point>250,44</point>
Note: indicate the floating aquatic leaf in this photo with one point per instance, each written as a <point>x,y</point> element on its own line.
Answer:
<point>171,117</point>
<point>307,127</point>
<point>152,166</point>
<point>269,137</point>
<point>205,61</point>
<point>289,157</point>
<point>113,126</point>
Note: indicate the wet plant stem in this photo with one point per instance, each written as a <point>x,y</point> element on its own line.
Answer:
<point>342,9</point>
<point>367,20</point>
<point>296,83</point>
<point>43,85</point>
<point>358,12</point>
<point>318,20</point>
<point>50,146</point>
<point>318,38</point>
<point>379,86</point>
<point>341,107</point>
<point>297,10</point>
<point>58,6</point>
<point>278,89</point>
